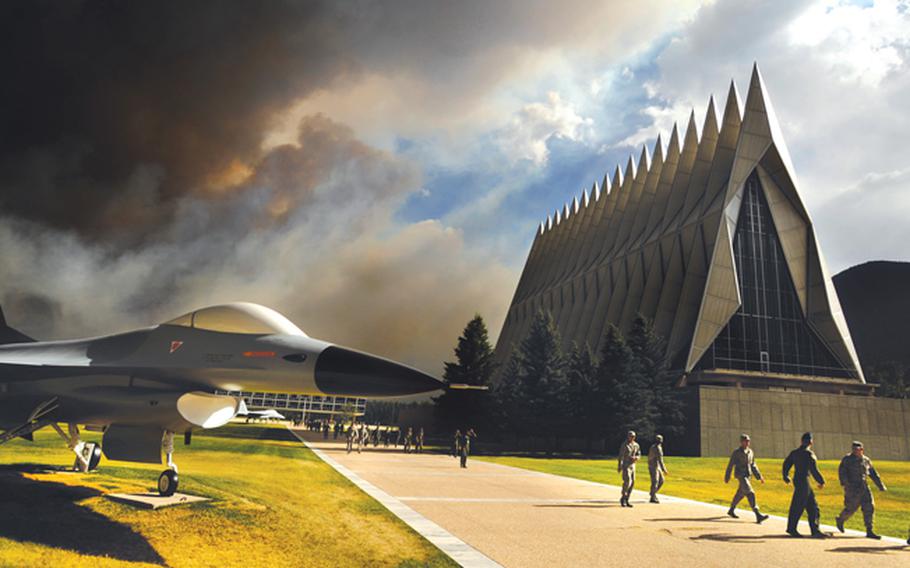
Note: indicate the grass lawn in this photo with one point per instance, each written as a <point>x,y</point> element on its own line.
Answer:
<point>702,479</point>
<point>274,503</point>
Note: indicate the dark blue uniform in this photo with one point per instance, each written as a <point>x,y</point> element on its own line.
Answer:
<point>804,463</point>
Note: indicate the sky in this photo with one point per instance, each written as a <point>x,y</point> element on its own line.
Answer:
<point>376,170</point>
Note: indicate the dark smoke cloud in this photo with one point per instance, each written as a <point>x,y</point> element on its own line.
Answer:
<point>111,111</point>
<point>310,232</point>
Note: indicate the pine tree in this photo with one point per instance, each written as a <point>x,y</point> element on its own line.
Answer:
<point>612,371</point>
<point>544,375</point>
<point>661,403</point>
<point>474,365</point>
<point>581,376</point>
<point>509,396</point>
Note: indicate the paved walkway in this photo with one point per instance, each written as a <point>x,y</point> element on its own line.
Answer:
<point>522,518</point>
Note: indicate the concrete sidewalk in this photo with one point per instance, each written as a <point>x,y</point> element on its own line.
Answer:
<point>522,518</point>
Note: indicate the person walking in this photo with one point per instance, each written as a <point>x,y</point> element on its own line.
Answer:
<point>456,443</point>
<point>350,438</point>
<point>418,443</point>
<point>656,466</point>
<point>629,453</point>
<point>464,446</point>
<point>853,471</point>
<point>407,440</point>
<point>804,463</point>
<point>742,466</point>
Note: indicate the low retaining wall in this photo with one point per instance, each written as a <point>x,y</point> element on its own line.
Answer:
<point>776,419</point>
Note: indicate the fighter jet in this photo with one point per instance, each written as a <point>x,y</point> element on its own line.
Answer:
<point>142,387</point>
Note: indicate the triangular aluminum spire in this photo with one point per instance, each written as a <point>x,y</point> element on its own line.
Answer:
<point>630,169</point>
<point>644,161</point>
<point>585,199</point>
<point>658,155</point>
<point>710,124</point>
<point>673,144</point>
<point>575,203</point>
<point>762,103</point>
<point>691,141</point>
<point>617,179</point>
<point>549,222</point>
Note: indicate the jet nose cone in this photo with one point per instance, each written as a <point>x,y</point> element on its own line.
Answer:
<point>345,372</point>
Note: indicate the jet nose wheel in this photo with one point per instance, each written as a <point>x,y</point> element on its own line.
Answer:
<point>167,483</point>
<point>87,457</point>
<point>94,456</point>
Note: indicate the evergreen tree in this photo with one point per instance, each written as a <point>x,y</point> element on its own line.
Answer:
<point>474,365</point>
<point>893,378</point>
<point>543,375</point>
<point>614,367</point>
<point>509,396</point>
<point>581,376</point>
<point>652,385</point>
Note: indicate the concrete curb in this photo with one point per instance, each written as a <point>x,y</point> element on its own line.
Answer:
<point>455,548</point>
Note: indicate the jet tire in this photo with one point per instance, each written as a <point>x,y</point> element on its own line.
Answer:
<point>167,483</point>
<point>94,456</point>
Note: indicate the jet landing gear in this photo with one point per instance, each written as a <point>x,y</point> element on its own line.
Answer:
<point>168,480</point>
<point>88,454</point>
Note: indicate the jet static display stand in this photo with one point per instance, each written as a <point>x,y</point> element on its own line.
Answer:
<point>154,501</point>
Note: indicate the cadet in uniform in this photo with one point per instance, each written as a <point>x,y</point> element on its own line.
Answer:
<point>351,434</point>
<point>407,440</point>
<point>656,466</point>
<point>804,463</point>
<point>629,452</point>
<point>854,468</point>
<point>742,466</point>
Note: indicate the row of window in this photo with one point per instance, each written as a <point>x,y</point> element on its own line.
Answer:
<point>278,401</point>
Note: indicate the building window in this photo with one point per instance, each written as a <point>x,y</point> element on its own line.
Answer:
<point>769,332</point>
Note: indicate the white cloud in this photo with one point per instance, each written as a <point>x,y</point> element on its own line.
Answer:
<point>526,137</point>
<point>862,43</point>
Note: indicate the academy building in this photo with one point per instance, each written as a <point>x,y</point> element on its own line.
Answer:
<point>711,240</point>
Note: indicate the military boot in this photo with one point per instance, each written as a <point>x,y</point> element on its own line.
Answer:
<point>732,513</point>
<point>840,524</point>
<point>871,534</point>
<point>759,518</point>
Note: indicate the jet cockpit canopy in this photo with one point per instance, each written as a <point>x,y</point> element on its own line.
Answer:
<point>238,317</point>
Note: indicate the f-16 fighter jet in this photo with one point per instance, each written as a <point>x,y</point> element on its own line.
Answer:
<point>142,387</point>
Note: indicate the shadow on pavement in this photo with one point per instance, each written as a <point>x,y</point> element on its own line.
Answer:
<point>582,505</point>
<point>720,519</point>
<point>870,549</point>
<point>741,539</point>
<point>48,513</point>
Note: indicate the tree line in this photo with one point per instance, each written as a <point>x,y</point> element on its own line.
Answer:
<point>544,392</point>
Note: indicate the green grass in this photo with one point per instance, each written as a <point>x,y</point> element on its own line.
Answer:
<point>702,479</point>
<point>273,501</point>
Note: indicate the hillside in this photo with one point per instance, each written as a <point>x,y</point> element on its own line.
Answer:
<point>875,297</point>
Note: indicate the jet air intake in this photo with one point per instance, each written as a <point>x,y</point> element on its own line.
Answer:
<point>345,372</point>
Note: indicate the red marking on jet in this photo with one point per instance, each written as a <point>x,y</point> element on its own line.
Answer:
<point>258,353</point>
<point>175,345</point>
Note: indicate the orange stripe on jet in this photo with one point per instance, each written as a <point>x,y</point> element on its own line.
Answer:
<point>258,353</point>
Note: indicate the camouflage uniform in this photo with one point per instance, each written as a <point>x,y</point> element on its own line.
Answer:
<point>656,467</point>
<point>629,453</point>
<point>853,472</point>
<point>742,466</point>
